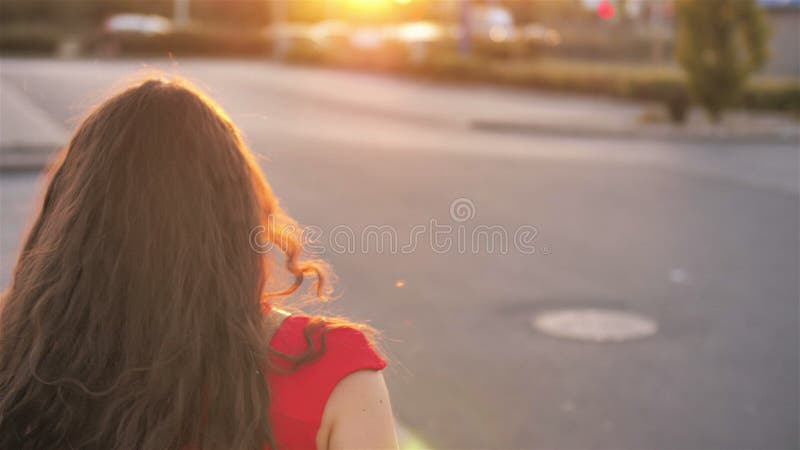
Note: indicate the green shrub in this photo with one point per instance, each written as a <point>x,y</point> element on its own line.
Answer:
<point>502,49</point>
<point>665,85</point>
<point>391,56</point>
<point>602,79</point>
<point>192,41</point>
<point>26,38</point>
<point>449,65</point>
<point>305,51</point>
<point>779,95</point>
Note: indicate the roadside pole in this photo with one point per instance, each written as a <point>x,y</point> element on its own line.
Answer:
<point>465,41</point>
<point>280,45</point>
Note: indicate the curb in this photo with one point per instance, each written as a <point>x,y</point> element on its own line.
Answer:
<point>788,136</point>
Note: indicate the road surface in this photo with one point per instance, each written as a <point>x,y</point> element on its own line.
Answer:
<point>701,238</point>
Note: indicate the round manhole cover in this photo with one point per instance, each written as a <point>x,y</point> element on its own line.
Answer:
<point>595,325</point>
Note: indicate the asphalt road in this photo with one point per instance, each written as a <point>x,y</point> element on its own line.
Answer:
<point>701,238</point>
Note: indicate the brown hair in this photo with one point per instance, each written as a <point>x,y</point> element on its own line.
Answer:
<point>134,318</point>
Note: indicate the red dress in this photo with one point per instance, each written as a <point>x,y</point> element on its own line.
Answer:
<point>298,399</point>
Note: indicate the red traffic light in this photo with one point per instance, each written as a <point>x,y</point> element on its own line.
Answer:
<point>605,9</point>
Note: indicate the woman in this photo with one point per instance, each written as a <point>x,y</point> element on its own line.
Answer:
<point>137,316</point>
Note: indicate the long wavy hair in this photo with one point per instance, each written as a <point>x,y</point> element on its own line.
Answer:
<point>134,319</point>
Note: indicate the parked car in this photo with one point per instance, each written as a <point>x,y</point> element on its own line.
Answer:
<point>121,28</point>
<point>137,23</point>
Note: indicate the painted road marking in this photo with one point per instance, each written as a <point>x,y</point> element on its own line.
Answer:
<point>594,325</point>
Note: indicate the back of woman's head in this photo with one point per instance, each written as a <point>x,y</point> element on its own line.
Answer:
<point>134,315</point>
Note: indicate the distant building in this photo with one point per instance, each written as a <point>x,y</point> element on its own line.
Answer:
<point>772,4</point>
<point>784,20</point>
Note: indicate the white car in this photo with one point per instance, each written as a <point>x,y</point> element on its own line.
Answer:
<point>137,23</point>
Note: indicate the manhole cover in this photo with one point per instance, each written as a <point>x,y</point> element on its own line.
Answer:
<point>595,325</point>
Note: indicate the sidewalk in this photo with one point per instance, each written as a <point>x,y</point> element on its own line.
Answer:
<point>28,136</point>
<point>511,109</point>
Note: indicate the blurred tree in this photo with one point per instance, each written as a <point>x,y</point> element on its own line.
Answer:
<point>720,43</point>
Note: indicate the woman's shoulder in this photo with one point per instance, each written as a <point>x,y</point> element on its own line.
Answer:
<point>330,351</point>
<point>331,340</point>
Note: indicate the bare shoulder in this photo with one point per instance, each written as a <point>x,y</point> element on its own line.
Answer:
<point>358,414</point>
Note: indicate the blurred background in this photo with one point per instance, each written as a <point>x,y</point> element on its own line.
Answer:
<point>647,148</point>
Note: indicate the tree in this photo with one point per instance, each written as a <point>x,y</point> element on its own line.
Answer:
<point>720,44</point>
